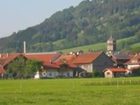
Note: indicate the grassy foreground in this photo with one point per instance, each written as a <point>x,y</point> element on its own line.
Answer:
<point>122,91</point>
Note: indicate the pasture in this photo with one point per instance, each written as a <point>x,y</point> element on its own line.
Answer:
<point>120,91</point>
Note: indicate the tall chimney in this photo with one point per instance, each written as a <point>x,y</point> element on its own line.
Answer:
<point>24,47</point>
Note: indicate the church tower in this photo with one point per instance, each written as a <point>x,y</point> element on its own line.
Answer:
<point>111,45</point>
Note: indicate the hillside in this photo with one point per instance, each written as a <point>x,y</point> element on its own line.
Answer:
<point>91,22</point>
<point>102,46</point>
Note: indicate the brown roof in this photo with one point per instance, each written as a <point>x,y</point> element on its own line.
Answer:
<point>87,58</point>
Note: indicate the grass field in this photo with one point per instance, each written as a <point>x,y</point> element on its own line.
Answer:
<point>135,47</point>
<point>102,46</point>
<point>121,91</point>
<point>94,47</point>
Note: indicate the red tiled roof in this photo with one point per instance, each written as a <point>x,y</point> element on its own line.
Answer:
<point>117,70</point>
<point>66,58</point>
<point>45,58</point>
<point>72,65</point>
<point>7,58</point>
<point>58,66</point>
<point>51,65</point>
<point>87,58</point>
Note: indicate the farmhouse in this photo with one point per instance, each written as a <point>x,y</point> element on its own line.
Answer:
<point>6,59</point>
<point>47,66</point>
<point>58,70</point>
<point>54,65</point>
<point>66,67</point>
<point>93,61</point>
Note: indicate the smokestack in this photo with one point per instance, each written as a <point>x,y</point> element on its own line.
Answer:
<point>24,47</point>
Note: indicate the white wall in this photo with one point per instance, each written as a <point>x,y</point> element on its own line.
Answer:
<point>108,74</point>
<point>66,74</point>
<point>87,67</point>
<point>57,73</point>
<point>132,66</point>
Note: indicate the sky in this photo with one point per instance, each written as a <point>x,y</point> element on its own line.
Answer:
<point>18,15</point>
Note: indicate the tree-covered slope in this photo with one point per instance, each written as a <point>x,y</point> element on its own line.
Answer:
<point>90,22</point>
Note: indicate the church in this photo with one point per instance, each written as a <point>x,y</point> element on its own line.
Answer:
<point>111,46</point>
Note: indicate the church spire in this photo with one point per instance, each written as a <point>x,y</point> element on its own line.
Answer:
<point>111,38</point>
<point>111,45</point>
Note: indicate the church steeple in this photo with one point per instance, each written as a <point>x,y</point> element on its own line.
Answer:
<point>111,45</point>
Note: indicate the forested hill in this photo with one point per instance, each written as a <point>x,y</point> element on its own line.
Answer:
<point>90,22</point>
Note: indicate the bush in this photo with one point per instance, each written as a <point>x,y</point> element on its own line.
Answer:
<point>97,73</point>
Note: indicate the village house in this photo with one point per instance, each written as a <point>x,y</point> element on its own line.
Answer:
<point>134,62</point>
<point>116,72</point>
<point>93,61</point>
<point>126,65</point>
<point>6,59</point>
<point>58,70</point>
<point>54,65</point>
<point>120,59</point>
<point>75,64</point>
<point>67,68</point>
<point>48,70</point>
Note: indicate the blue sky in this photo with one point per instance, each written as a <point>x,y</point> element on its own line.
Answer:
<point>17,15</point>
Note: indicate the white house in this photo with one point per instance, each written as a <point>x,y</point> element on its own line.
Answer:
<point>93,61</point>
<point>134,62</point>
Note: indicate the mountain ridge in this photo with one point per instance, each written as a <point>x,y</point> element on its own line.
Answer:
<point>92,21</point>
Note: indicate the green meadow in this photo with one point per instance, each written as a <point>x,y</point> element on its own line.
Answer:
<point>128,44</point>
<point>86,48</point>
<point>119,91</point>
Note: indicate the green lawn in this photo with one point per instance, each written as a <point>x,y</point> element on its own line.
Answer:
<point>121,91</point>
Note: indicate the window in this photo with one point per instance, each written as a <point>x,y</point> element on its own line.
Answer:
<point>50,74</point>
<point>68,74</point>
<point>108,73</point>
